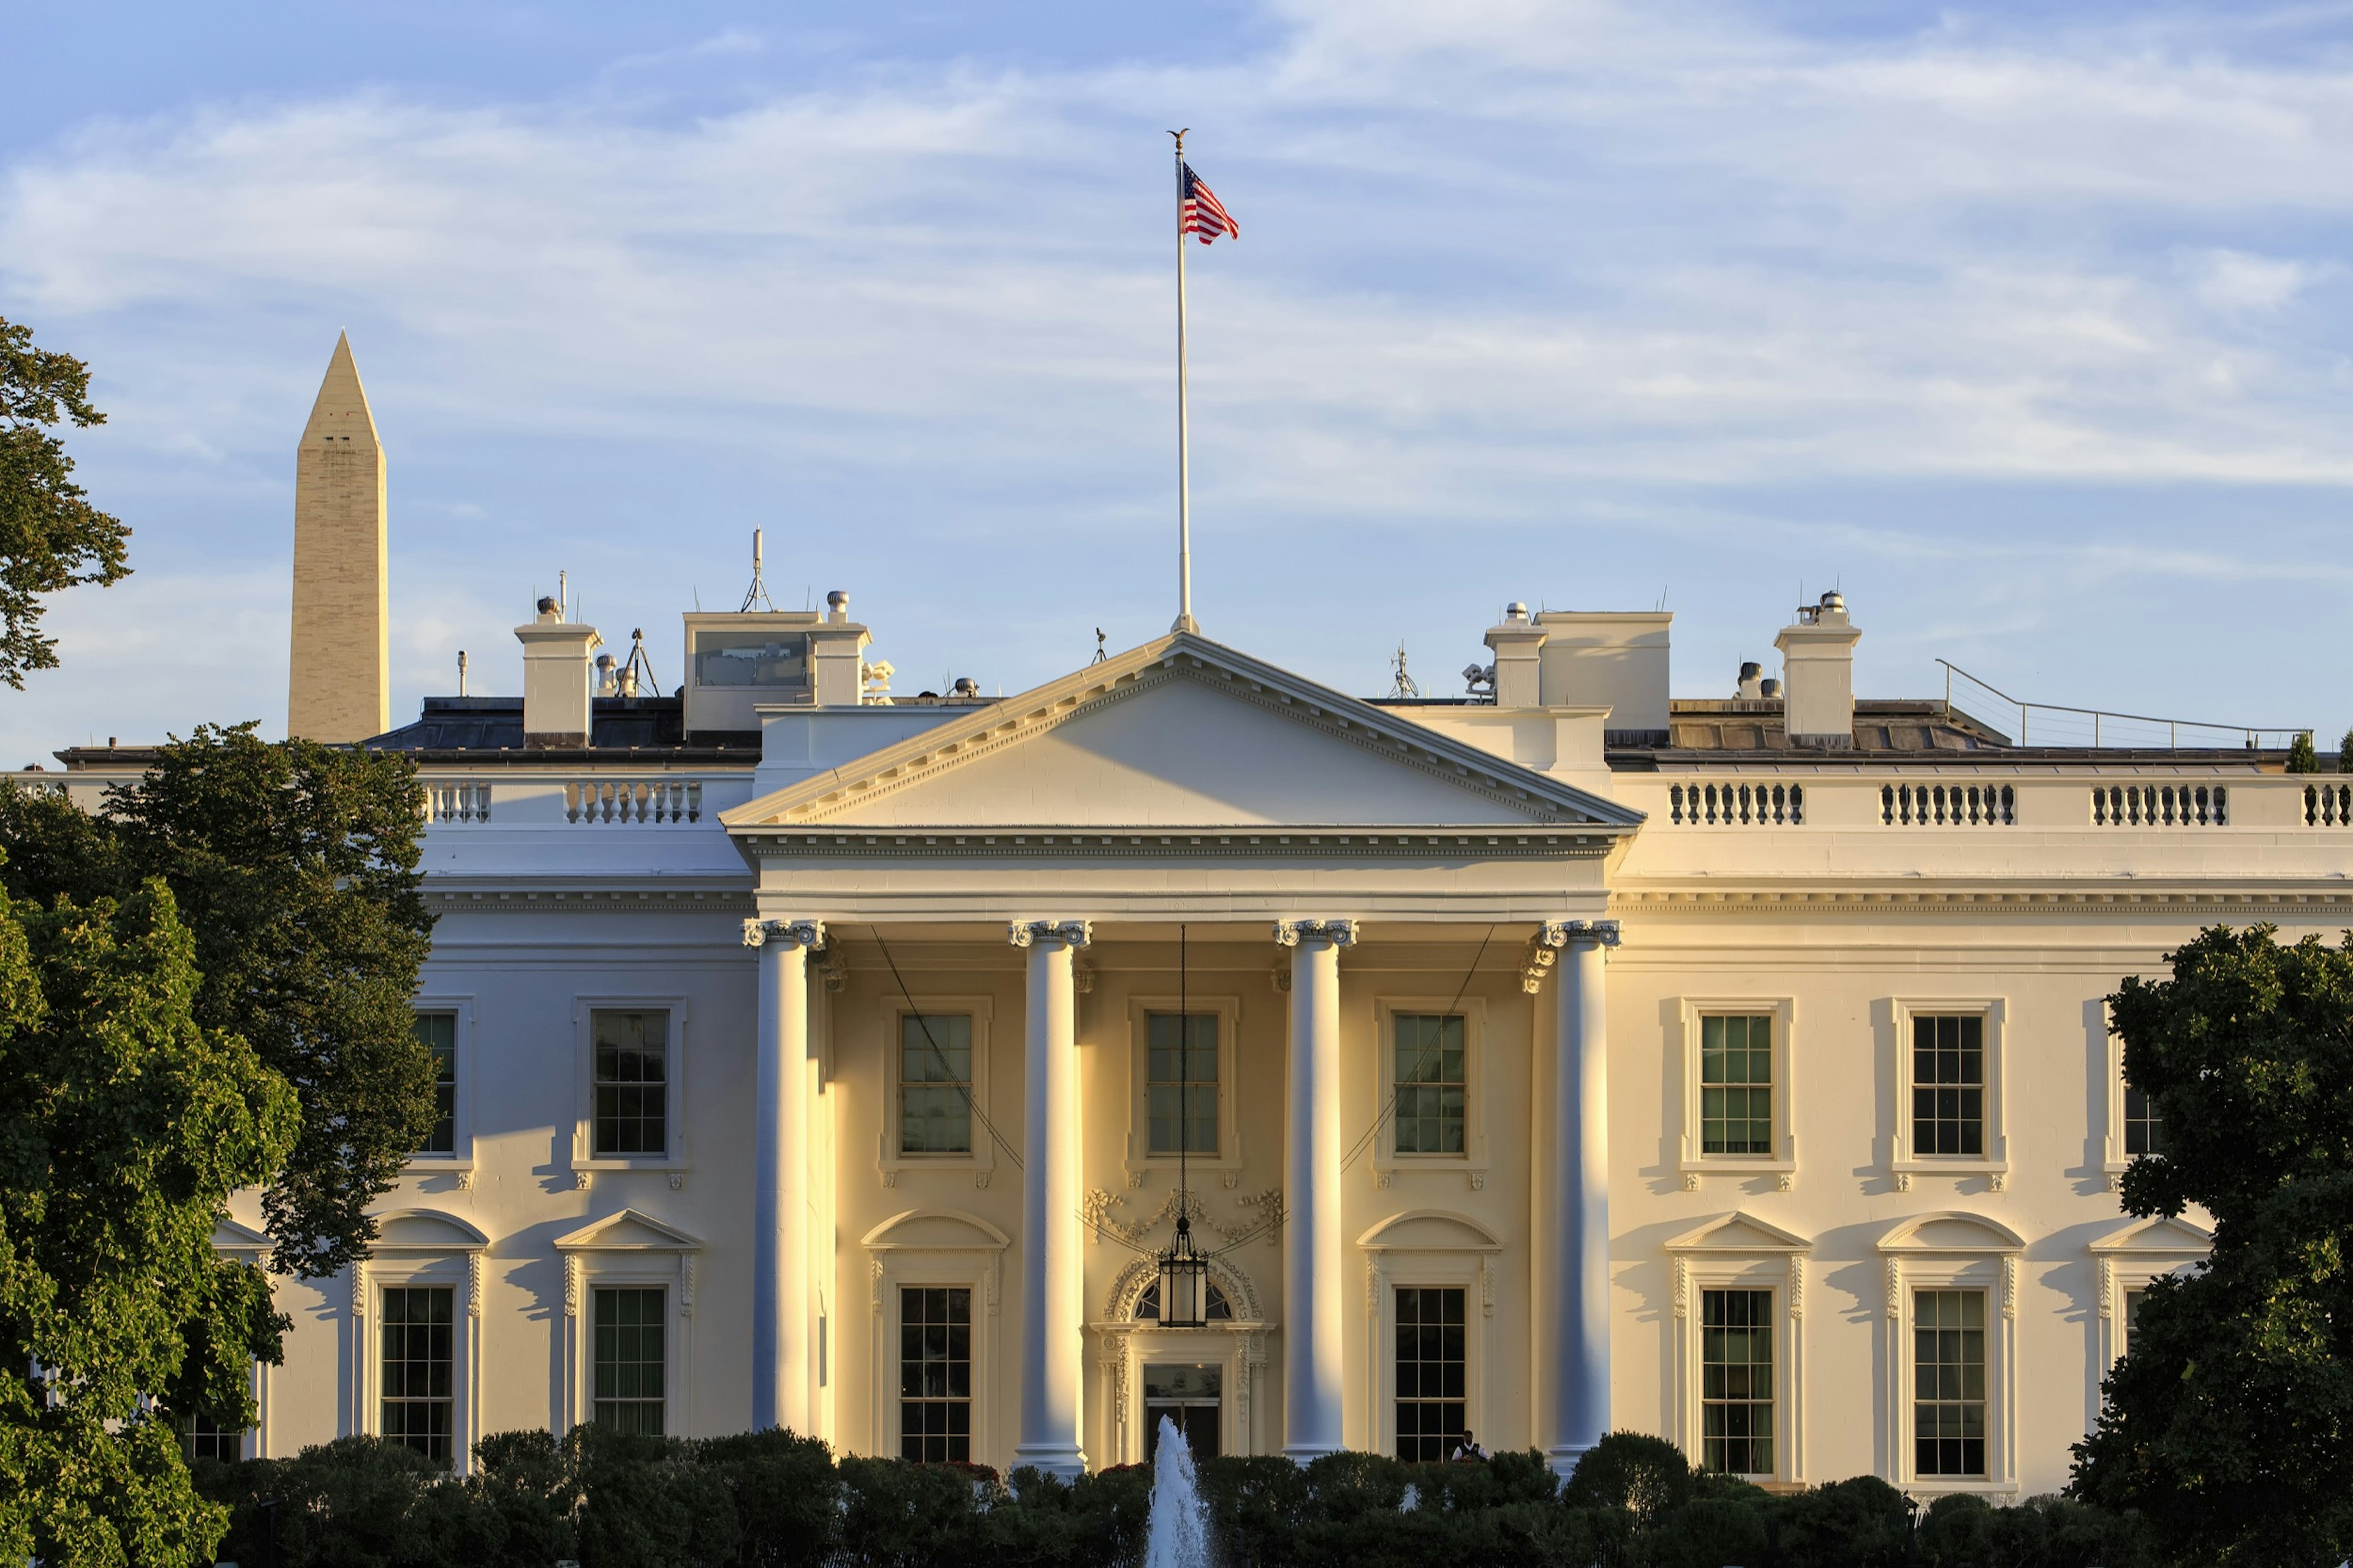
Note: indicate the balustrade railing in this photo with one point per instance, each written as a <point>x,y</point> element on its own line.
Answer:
<point>1737,805</point>
<point>448,800</point>
<point>633,800</point>
<point>2160,805</point>
<point>2329,806</point>
<point>1949,806</point>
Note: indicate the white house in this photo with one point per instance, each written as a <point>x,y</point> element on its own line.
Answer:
<point>1564,1058</point>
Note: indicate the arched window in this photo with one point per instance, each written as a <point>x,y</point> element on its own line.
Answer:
<point>1147,1306</point>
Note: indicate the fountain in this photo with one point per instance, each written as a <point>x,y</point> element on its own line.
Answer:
<point>1178,1536</point>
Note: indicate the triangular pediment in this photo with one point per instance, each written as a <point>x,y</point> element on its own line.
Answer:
<point>2171,1237</point>
<point>628,1231</point>
<point>1182,734</point>
<point>1739,1232</point>
<point>229,1236</point>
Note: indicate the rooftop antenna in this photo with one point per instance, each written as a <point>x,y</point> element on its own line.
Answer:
<point>461,673</point>
<point>1100,655</point>
<point>1403,685</point>
<point>562,592</point>
<point>757,594</point>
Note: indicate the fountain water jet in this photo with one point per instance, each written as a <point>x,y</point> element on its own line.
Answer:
<point>1178,1536</point>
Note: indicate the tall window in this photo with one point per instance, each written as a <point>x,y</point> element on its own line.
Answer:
<point>1432,1085</point>
<point>438,1033</point>
<point>418,1333</point>
<point>204,1437</point>
<point>632,1083</point>
<point>1735,1085</point>
<point>2143,1133</point>
<point>1737,1381</point>
<point>936,1083</point>
<point>2133,1298</point>
<point>628,1375</point>
<point>1949,1383</point>
<point>1948,1084</point>
<point>1181,1083</point>
<point>1430,1370</point>
<point>934,1373</point>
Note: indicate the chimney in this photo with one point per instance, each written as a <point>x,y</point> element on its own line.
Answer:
<point>1518,645</point>
<point>1817,674</point>
<point>1752,681</point>
<point>837,656</point>
<point>556,654</point>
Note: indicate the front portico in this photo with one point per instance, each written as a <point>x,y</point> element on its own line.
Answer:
<point>1337,852</point>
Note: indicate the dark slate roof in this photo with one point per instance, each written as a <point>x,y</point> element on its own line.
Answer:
<point>453,726</point>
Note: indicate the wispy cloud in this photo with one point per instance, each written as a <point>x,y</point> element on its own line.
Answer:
<point>1497,256</point>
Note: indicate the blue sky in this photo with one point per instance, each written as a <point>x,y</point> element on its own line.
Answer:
<point>2027,326</point>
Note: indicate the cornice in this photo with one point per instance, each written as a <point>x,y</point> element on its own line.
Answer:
<point>800,842</point>
<point>589,899</point>
<point>2241,899</point>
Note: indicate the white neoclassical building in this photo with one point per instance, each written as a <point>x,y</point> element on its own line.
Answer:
<point>1564,1058</point>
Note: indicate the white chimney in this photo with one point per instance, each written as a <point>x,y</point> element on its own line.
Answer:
<point>556,669</point>
<point>1817,674</point>
<point>837,656</point>
<point>1518,644</point>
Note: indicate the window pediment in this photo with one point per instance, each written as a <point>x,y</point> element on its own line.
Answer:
<point>1952,1231</point>
<point>426,1230</point>
<point>1429,1230</point>
<point>936,1230</point>
<point>1739,1232</point>
<point>628,1231</point>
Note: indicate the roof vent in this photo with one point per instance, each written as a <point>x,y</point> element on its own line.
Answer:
<point>1752,676</point>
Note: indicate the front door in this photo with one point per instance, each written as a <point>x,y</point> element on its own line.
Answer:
<point>1187,1396</point>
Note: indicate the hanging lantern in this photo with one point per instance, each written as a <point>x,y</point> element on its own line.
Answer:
<point>1184,1282</point>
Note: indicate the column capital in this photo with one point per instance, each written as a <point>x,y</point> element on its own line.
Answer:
<point>1339,932</point>
<point>792,933</point>
<point>1061,934</point>
<point>1578,933</point>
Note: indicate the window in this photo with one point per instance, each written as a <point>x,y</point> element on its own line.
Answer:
<point>417,1398</point>
<point>1430,1370</point>
<point>934,1373</point>
<point>1737,1381</point>
<point>201,1437</point>
<point>438,1033</point>
<point>1736,1114</point>
<point>629,1366</point>
<point>1181,1083</point>
<point>1432,1083</point>
<point>934,1083</point>
<point>632,1083</point>
<point>2143,1133</point>
<point>2133,1298</point>
<point>1949,1085</point>
<point>1949,1383</point>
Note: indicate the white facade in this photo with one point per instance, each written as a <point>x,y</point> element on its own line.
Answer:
<point>1587,904</point>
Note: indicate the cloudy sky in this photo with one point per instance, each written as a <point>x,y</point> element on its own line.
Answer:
<point>2024,324</point>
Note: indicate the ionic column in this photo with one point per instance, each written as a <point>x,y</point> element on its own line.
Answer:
<point>1312,1287</point>
<point>1053,1302</point>
<point>1578,1337</point>
<point>781,1316</point>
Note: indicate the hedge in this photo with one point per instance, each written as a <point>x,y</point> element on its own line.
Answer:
<point>606,1500</point>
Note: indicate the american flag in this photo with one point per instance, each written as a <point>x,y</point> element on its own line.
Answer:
<point>1198,211</point>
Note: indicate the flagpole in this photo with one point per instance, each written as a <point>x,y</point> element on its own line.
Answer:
<point>1185,622</point>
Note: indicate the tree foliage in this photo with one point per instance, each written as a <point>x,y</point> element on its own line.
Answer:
<point>294,865</point>
<point>51,538</point>
<point>2227,1420</point>
<point>2301,757</point>
<point>125,1123</point>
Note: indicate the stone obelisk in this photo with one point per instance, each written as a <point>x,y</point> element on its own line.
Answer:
<point>341,679</point>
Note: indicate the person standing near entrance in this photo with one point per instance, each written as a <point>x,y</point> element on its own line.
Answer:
<point>1468,1449</point>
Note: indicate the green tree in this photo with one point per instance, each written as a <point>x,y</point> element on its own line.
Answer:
<point>2344,753</point>
<point>2225,1423</point>
<point>2301,758</point>
<point>124,1126</point>
<point>294,863</point>
<point>51,538</point>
